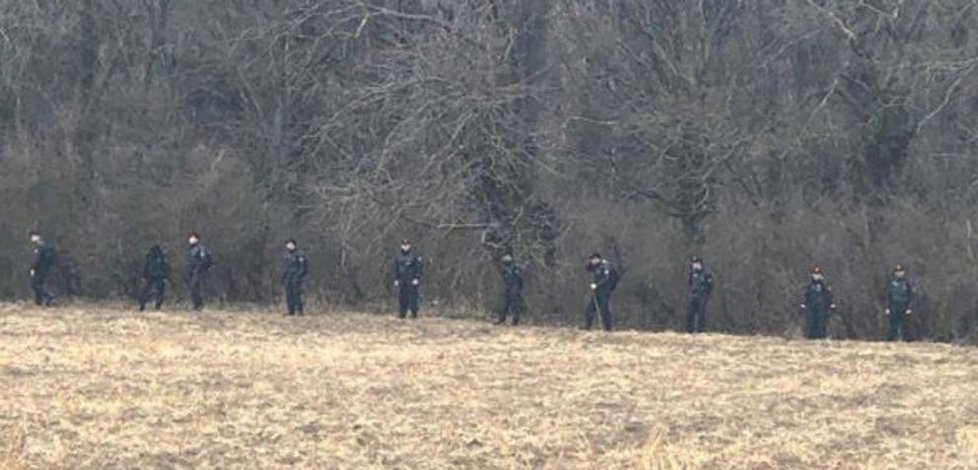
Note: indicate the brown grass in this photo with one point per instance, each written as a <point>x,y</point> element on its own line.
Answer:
<point>104,388</point>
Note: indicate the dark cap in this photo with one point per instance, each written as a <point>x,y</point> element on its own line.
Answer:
<point>899,268</point>
<point>695,259</point>
<point>816,270</point>
<point>595,255</point>
<point>291,240</point>
<point>405,241</point>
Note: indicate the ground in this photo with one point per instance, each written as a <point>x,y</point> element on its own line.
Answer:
<point>107,388</point>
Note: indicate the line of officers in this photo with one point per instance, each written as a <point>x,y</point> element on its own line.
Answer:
<point>408,271</point>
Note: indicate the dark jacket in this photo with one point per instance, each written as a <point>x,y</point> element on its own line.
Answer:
<point>198,260</point>
<point>296,267</point>
<point>700,284</point>
<point>512,279</point>
<point>156,266</point>
<point>408,267</point>
<point>605,276</point>
<point>43,259</point>
<point>818,296</point>
<point>899,291</point>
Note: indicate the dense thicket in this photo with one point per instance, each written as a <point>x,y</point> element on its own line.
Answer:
<point>767,136</point>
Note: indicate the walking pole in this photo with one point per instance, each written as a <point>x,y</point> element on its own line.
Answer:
<point>597,306</point>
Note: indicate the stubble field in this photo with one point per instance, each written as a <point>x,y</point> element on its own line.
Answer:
<point>107,388</point>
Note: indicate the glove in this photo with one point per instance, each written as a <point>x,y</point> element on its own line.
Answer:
<point>909,311</point>
<point>397,283</point>
<point>832,306</point>
<point>887,311</point>
<point>415,282</point>
<point>32,273</point>
<point>803,307</point>
<point>594,286</point>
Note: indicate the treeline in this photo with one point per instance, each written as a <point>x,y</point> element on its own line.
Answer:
<point>767,136</point>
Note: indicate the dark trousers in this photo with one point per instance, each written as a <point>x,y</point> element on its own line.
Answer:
<point>41,295</point>
<point>816,323</point>
<point>196,286</point>
<point>512,305</point>
<point>600,303</point>
<point>898,322</point>
<point>152,285</point>
<point>408,298</point>
<point>293,296</point>
<point>696,315</point>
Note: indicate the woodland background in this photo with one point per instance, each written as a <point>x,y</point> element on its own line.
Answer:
<point>767,136</point>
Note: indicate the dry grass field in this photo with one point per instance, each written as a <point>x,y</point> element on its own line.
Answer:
<point>107,388</point>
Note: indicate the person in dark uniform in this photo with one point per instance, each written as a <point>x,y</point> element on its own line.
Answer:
<point>408,269</point>
<point>817,306</point>
<point>899,294</point>
<point>700,286</point>
<point>513,303</point>
<point>156,273</point>
<point>604,280</point>
<point>295,271</point>
<point>44,256</point>
<point>199,261</point>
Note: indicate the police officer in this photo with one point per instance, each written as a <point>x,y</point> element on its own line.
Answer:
<point>817,306</point>
<point>604,280</point>
<point>156,273</point>
<point>513,303</point>
<point>408,269</point>
<point>700,286</point>
<point>899,294</point>
<point>40,269</point>
<point>292,276</point>
<point>199,261</point>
